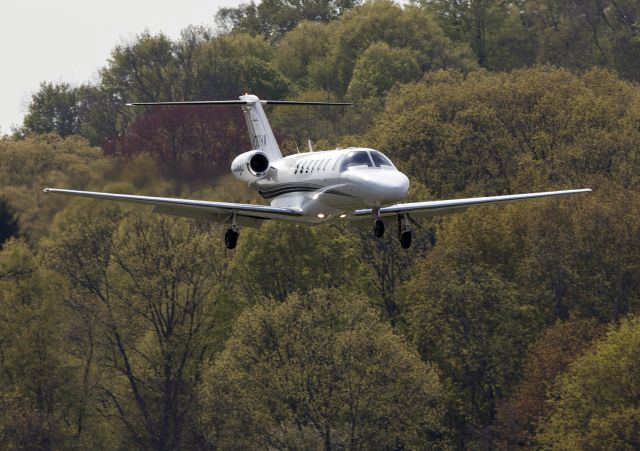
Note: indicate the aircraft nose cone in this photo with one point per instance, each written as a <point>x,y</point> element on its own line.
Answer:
<point>394,186</point>
<point>382,187</point>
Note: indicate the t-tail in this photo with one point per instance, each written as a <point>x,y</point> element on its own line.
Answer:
<point>260,132</point>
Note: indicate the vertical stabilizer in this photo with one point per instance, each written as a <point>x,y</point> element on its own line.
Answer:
<point>259,129</point>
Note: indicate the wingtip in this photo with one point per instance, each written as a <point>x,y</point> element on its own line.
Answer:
<point>46,190</point>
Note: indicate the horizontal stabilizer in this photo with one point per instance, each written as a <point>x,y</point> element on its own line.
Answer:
<point>237,102</point>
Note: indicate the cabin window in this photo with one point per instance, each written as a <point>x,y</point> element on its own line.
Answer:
<point>297,166</point>
<point>356,158</point>
<point>326,163</point>
<point>335,165</point>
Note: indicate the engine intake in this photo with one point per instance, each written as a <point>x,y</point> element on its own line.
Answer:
<point>250,166</point>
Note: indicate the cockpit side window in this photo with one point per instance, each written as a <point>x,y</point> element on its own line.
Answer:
<point>380,160</point>
<point>356,158</point>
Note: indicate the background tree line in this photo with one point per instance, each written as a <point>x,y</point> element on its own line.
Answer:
<point>503,327</point>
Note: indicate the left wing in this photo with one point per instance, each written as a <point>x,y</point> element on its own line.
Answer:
<point>247,214</point>
<point>439,207</point>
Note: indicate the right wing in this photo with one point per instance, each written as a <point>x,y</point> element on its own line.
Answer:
<point>439,207</point>
<point>247,214</point>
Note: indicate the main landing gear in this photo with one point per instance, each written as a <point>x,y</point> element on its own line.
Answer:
<point>378,225</point>
<point>404,229</point>
<point>232,234</point>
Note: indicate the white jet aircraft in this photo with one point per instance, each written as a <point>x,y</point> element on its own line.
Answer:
<point>312,187</point>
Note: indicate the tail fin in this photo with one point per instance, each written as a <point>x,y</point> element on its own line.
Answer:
<point>259,129</point>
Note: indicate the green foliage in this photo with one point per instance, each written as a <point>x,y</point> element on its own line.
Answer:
<point>508,132</point>
<point>493,29</point>
<point>379,67</point>
<point>259,77</point>
<point>104,337</point>
<point>34,163</point>
<point>300,48</point>
<point>595,405</point>
<point>9,226</point>
<point>273,18</point>
<point>549,356</point>
<point>38,380</point>
<point>403,28</point>
<point>146,288</point>
<point>53,109</point>
<point>317,257</point>
<point>319,371</point>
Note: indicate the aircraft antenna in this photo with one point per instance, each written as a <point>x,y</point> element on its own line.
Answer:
<point>310,146</point>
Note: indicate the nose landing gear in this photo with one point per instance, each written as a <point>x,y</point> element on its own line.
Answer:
<point>232,234</point>
<point>404,231</point>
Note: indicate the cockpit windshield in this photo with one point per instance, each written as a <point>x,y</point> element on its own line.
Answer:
<point>356,158</point>
<point>362,158</point>
<point>379,159</point>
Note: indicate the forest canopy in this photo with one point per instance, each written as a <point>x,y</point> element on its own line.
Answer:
<point>503,327</point>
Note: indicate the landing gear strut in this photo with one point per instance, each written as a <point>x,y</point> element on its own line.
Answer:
<point>232,234</point>
<point>404,231</point>
<point>378,226</point>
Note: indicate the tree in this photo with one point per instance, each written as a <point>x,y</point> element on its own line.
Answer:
<point>316,258</point>
<point>402,28</point>
<point>549,356</point>
<point>53,109</point>
<point>301,47</point>
<point>31,164</point>
<point>379,67</point>
<point>8,221</point>
<point>38,384</point>
<point>273,18</point>
<point>319,371</point>
<point>585,34</point>
<point>595,405</point>
<point>462,319</point>
<point>494,29</point>
<point>146,284</point>
<point>507,132</point>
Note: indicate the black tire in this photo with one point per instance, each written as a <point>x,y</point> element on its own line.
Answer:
<point>378,228</point>
<point>231,238</point>
<point>405,240</point>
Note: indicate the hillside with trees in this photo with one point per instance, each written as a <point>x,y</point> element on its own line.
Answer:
<point>503,327</point>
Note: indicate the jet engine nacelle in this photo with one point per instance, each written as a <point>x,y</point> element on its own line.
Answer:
<point>250,166</point>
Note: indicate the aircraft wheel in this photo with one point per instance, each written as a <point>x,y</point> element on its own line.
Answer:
<point>231,238</point>
<point>378,228</point>
<point>405,240</point>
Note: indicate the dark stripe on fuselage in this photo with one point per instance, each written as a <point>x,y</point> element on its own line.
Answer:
<point>287,191</point>
<point>301,190</point>
<point>268,190</point>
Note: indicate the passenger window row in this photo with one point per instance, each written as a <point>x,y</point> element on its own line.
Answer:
<point>304,167</point>
<point>361,158</point>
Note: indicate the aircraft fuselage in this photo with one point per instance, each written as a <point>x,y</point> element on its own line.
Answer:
<point>330,184</point>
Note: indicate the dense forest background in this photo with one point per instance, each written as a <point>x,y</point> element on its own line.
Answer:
<point>503,327</point>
